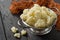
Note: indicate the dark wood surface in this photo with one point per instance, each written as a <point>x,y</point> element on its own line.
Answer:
<point>2,34</point>
<point>10,20</point>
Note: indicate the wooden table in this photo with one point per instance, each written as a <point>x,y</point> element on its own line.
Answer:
<point>7,20</point>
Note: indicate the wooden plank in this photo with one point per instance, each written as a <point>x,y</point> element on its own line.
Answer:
<point>2,35</point>
<point>10,20</point>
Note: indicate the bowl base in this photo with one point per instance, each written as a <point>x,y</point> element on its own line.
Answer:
<point>43,32</point>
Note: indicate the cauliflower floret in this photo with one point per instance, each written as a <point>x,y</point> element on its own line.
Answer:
<point>23,32</point>
<point>25,11</point>
<point>48,19</point>
<point>31,20</point>
<point>23,17</point>
<point>43,14</point>
<point>37,14</point>
<point>17,35</point>
<point>40,23</point>
<point>14,29</point>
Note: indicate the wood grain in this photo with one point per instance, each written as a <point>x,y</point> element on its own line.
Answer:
<point>2,35</point>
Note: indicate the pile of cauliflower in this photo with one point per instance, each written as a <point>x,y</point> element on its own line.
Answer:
<point>38,17</point>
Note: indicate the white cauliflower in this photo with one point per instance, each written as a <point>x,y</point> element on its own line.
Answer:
<point>14,29</point>
<point>23,32</point>
<point>17,35</point>
<point>38,16</point>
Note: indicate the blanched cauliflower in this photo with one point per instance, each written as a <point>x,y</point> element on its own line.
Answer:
<point>14,29</point>
<point>23,32</point>
<point>17,35</point>
<point>38,16</point>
